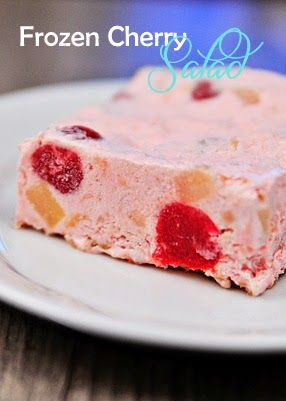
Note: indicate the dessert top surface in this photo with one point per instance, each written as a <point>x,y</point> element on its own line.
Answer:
<point>238,125</point>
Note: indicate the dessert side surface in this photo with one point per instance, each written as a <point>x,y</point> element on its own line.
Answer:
<point>194,178</point>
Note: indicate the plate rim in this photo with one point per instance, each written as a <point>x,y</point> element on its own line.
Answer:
<point>123,330</point>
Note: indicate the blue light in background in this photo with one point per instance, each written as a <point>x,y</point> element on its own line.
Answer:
<point>204,21</point>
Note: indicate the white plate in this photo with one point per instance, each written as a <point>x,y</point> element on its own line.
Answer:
<point>101,295</point>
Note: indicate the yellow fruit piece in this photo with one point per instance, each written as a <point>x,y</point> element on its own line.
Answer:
<point>45,204</point>
<point>137,217</point>
<point>101,164</point>
<point>74,219</point>
<point>247,95</point>
<point>228,216</point>
<point>194,185</point>
<point>264,217</point>
<point>234,143</point>
<point>122,181</point>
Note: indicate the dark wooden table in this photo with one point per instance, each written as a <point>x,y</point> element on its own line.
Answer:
<point>40,361</point>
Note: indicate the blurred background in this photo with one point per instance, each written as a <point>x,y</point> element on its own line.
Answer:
<point>202,20</point>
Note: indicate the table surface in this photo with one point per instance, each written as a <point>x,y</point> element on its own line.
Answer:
<point>41,361</point>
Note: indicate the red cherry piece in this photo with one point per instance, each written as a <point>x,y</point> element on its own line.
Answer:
<point>186,237</point>
<point>85,132</point>
<point>122,95</point>
<point>58,166</point>
<point>204,90</point>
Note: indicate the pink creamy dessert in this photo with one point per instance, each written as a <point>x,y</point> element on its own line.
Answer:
<point>194,178</point>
